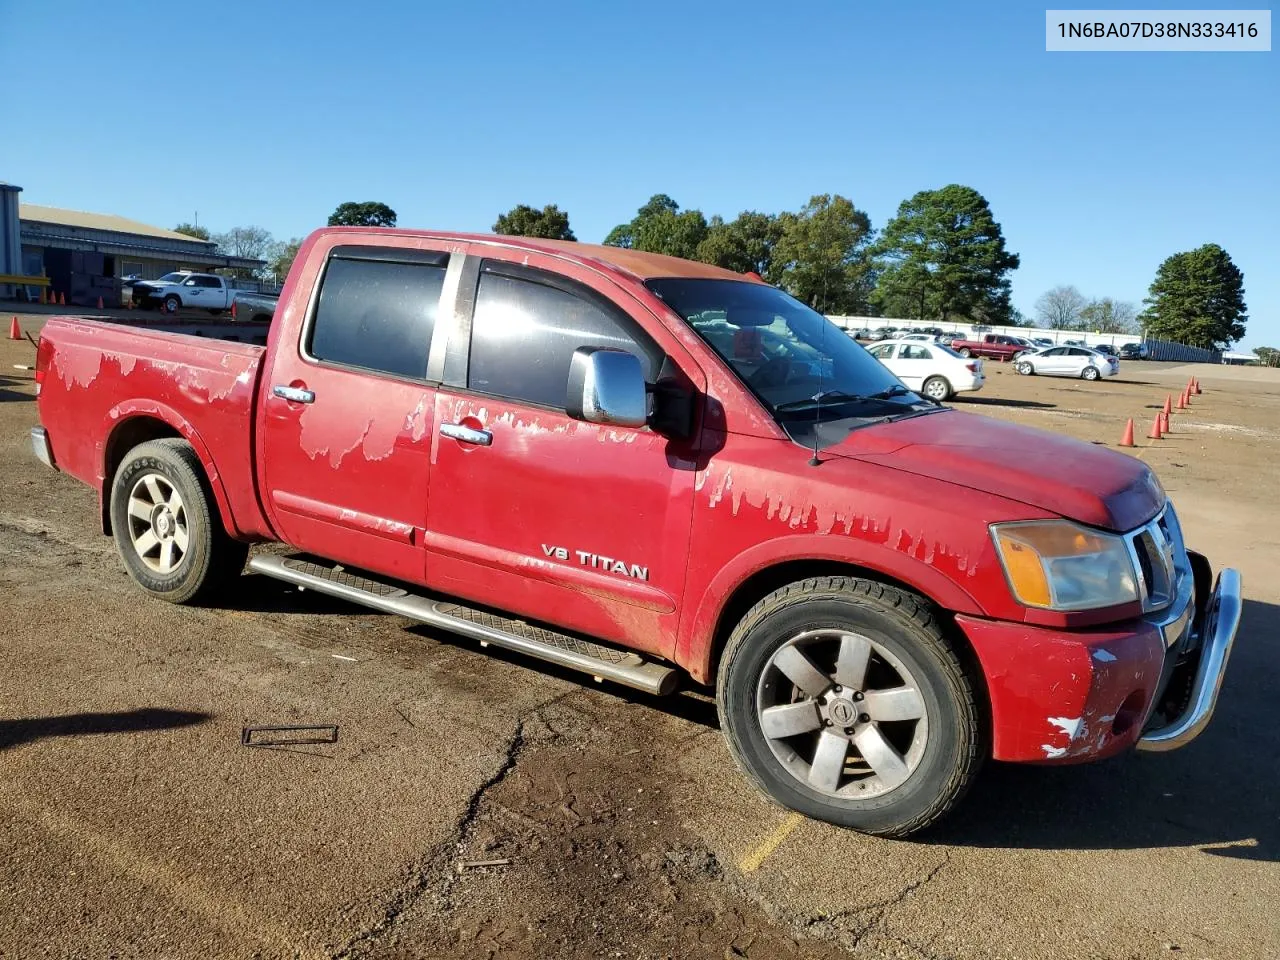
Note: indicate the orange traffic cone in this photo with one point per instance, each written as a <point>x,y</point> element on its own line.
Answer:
<point>99,303</point>
<point>1164,423</point>
<point>1197,385</point>
<point>1126,439</point>
<point>1168,404</point>
<point>62,299</point>
<point>44,296</point>
<point>1182,401</point>
<point>15,331</point>
<point>1156,432</point>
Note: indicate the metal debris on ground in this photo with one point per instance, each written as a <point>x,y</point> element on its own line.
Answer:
<point>474,864</point>
<point>288,735</point>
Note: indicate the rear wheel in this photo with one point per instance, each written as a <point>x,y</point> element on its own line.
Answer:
<point>937,388</point>
<point>1091,373</point>
<point>842,699</point>
<point>166,524</point>
<point>965,352</point>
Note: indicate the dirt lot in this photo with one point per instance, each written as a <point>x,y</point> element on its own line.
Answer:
<point>134,824</point>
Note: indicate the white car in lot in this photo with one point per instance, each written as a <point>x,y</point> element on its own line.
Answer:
<point>1068,362</point>
<point>931,369</point>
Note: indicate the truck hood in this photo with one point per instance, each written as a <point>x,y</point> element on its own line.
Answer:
<point>1076,480</point>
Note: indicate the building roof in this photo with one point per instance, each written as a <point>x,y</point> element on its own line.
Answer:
<point>99,221</point>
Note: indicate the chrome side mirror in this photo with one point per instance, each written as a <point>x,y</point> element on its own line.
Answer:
<point>606,386</point>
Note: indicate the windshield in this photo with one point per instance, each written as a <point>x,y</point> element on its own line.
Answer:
<point>800,364</point>
<point>173,278</point>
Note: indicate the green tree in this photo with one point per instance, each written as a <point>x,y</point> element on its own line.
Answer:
<point>1061,308</point>
<point>192,230</point>
<point>550,223</point>
<point>822,255</point>
<point>367,214</point>
<point>660,227</point>
<point>1109,316</point>
<point>1267,356</point>
<point>945,255</point>
<point>742,245</point>
<point>281,258</point>
<point>1197,298</point>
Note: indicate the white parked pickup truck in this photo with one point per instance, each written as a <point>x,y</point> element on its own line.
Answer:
<point>206,291</point>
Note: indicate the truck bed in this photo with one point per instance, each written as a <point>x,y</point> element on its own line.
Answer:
<point>101,382</point>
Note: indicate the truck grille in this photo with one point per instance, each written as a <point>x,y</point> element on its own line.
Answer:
<point>1160,559</point>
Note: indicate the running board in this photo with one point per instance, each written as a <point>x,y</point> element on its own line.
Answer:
<point>602,662</point>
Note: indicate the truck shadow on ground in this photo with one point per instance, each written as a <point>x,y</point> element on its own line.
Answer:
<point>1218,793</point>
<point>22,730</point>
<point>971,401</point>
<point>11,394</point>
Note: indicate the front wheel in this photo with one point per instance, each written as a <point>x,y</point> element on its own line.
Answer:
<point>166,524</point>
<point>1025,368</point>
<point>1091,373</point>
<point>842,699</point>
<point>937,388</point>
<point>171,304</point>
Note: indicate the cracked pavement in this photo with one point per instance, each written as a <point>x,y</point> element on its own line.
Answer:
<point>134,824</point>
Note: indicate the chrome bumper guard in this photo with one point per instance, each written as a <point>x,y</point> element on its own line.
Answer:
<point>1221,622</point>
<point>40,446</point>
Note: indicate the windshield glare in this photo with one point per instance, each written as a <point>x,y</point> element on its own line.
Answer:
<point>782,350</point>
<point>173,278</point>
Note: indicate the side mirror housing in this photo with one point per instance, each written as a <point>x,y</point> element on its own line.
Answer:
<point>606,386</point>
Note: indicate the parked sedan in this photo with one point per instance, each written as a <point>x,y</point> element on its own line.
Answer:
<point>932,369</point>
<point>1068,362</point>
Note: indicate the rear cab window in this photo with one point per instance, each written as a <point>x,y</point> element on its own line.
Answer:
<point>377,310</point>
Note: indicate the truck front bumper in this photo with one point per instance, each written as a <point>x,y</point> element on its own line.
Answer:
<point>1061,696</point>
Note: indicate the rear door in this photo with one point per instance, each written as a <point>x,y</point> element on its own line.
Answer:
<point>577,524</point>
<point>348,412</point>
<point>914,364</point>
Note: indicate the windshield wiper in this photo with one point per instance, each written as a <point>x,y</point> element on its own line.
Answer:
<point>840,396</point>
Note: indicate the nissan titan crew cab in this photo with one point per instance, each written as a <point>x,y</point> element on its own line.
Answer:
<point>649,469</point>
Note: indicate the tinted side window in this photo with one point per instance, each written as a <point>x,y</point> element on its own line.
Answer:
<point>915,353</point>
<point>207,282</point>
<point>377,315</point>
<point>523,335</point>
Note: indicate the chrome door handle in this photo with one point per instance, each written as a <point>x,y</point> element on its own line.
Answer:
<point>465,434</point>
<point>293,394</point>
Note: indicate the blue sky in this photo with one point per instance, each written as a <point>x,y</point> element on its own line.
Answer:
<point>1097,165</point>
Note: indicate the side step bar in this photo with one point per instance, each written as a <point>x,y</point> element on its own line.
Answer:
<point>620,666</point>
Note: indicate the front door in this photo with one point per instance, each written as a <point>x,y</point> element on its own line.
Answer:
<point>580,525</point>
<point>348,411</point>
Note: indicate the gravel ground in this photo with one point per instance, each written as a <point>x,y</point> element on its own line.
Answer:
<point>134,824</point>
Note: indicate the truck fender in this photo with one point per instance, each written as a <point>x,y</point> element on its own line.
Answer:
<point>128,410</point>
<point>696,646</point>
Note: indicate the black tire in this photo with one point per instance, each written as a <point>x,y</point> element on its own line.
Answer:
<point>211,559</point>
<point>941,386</point>
<point>903,624</point>
<point>172,303</point>
<point>1090,373</point>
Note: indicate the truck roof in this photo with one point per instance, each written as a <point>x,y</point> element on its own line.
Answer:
<point>638,263</point>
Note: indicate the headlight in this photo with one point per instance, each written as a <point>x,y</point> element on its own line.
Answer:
<point>1059,565</point>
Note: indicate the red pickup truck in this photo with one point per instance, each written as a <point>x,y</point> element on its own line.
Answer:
<point>997,346</point>
<point>649,469</point>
